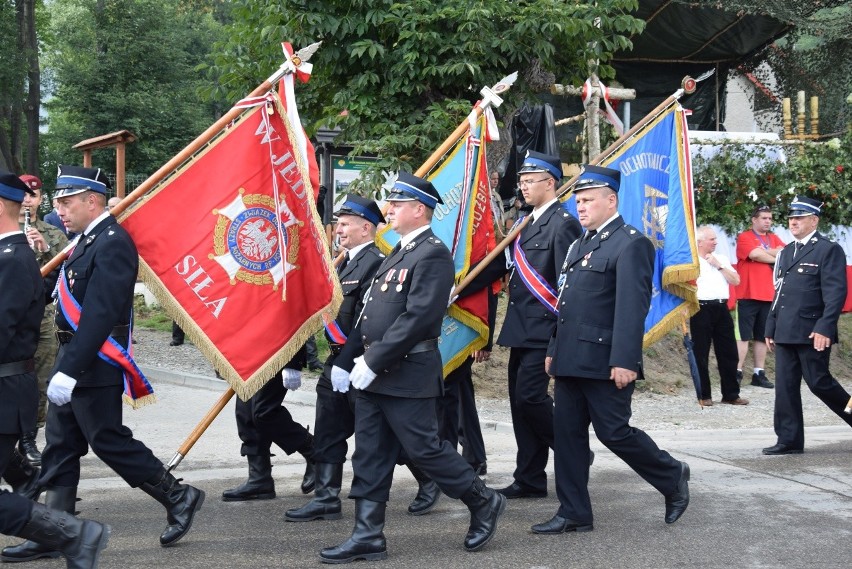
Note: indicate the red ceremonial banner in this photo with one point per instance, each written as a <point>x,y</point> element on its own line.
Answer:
<point>232,245</point>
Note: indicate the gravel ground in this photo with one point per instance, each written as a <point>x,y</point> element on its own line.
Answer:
<point>651,411</point>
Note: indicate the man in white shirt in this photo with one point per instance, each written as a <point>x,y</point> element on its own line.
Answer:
<point>713,322</point>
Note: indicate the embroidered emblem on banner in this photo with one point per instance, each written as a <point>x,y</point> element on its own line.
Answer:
<point>253,243</point>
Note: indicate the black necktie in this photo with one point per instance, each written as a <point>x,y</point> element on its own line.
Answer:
<point>591,233</point>
<point>796,248</point>
<point>343,263</point>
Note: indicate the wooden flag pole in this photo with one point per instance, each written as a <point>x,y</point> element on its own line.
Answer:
<point>688,86</point>
<point>166,169</point>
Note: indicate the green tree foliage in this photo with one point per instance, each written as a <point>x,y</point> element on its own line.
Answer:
<point>398,77</point>
<point>730,184</point>
<point>128,64</point>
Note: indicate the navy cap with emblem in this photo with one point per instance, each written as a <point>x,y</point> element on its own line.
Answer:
<point>540,162</point>
<point>13,188</point>
<point>76,179</point>
<point>408,187</point>
<point>802,206</point>
<point>598,177</point>
<point>362,207</point>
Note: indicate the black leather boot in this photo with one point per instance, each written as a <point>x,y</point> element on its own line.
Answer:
<point>22,476</point>
<point>182,501</point>
<point>27,446</point>
<point>326,502</point>
<point>486,506</point>
<point>259,486</point>
<point>367,540</point>
<point>79,541</point>
<point>427,493</point>
<point>57,498</point>
<point>309,479</point>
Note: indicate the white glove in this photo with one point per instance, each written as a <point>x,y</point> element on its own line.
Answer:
<point>453,296</point>
<point>60,387</point>
<point>362,376</point>
<point>292,378</point>
<point>339,379</point>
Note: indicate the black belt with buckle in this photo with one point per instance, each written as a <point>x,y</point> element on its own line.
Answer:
<point>65,336</point>
<point>714,301</point>
<point>17,368</point>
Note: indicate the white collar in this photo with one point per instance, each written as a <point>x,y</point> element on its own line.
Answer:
<point>10,233</point>
<point>808,237</point>
<point>96,221</point>
<point>541,209</point>
<point>607,222</point>
<point>356,249</point>
<point>409,237</point>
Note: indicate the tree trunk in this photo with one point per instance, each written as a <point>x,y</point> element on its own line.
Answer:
<point>33,104</point>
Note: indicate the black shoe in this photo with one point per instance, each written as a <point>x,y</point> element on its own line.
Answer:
<point>22,476</point>
<point>181,501</point>
<point>486,506</point>
<point>759,380</point>
<point>259,486</point>
<point>367,540</point>
<point>782,449</point>
<point>677,502</point>
<point>515,490</point>
<point>176,343</point>
<point>325,504</point>
<point>28,448</point>
<point>315,366</point>
<point>426,498</point>
<point>558,524</point>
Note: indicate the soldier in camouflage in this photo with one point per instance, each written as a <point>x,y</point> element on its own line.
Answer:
<point>47,241</point>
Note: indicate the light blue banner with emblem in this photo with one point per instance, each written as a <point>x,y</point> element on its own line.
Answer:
<point>656,198</point>
<point>464,223</point>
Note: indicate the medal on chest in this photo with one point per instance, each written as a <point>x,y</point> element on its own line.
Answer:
<point>403,273</point>
<point>388,276</point>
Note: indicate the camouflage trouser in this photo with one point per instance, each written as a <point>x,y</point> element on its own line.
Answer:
<point>45,357</point>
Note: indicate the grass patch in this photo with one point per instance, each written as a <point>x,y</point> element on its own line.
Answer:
<point>150,317</point>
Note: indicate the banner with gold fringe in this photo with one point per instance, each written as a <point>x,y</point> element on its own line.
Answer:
<point>464,222</point>
<point>656,197</point>
<point>233,246</point>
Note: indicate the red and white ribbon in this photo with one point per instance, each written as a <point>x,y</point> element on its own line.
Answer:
<point>610,113</point>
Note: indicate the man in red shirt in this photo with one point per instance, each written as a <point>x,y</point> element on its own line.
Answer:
<point>756,252</point>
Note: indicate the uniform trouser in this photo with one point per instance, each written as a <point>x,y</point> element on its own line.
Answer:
<point>386,425</point>
<point>93,418</point>
<point>713,323</point>
<point>334,422</point>
<point>15,510</point>
<point>178,335</point>
<point>457,414</point>
<point>263,420</point>
<point>580,402</point>
<point>792,362</point>
<point>532,415</point>
<point>45,358</point>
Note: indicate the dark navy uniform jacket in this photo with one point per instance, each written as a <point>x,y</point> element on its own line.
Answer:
<point>101,274</point>
<point>405,306</point>
<point>603,304</point>
<point>355,278</point>
<point>21,309</point>
<point>528,323</point>
<point>811,295</point>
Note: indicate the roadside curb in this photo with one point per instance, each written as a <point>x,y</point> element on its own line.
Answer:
<point>300,397</point>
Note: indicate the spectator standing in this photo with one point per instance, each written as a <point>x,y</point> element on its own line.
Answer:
<point>756,252</point>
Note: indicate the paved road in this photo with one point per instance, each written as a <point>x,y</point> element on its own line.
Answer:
<point>747,510</point>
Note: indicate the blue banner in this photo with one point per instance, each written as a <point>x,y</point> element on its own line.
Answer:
<point>656,198</point>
